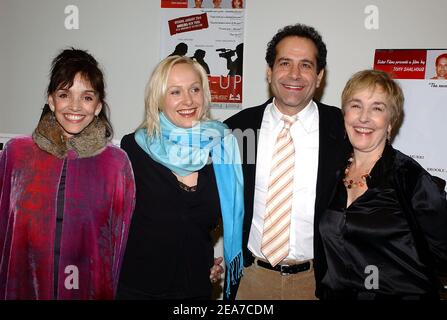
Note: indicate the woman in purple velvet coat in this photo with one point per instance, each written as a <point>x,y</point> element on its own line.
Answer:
<point>66,194</point>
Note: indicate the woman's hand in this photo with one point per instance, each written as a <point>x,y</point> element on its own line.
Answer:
<point>216,270</point>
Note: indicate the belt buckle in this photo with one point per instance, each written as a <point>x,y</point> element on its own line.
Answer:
<point>283,270</point>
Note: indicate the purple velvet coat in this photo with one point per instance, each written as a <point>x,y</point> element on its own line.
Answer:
<point>99,200</point>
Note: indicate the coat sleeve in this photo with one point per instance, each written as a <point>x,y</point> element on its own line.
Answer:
<point>4,197</point>
<point>429,206</point>
<point>5,191</point>
<point>123,206</point>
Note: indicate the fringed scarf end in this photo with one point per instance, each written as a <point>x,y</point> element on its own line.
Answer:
<point>234,272</point>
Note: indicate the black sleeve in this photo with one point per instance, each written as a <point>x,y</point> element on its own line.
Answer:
<point>429,206</point>
<point>126,142</point>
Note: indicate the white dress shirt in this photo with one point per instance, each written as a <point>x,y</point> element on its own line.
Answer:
<point>305,135</point>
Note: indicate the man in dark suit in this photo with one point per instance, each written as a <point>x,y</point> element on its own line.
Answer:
<point>296,58</point>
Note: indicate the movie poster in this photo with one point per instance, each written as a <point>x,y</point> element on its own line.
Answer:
<point>422,75</point>
<point>211,32</point>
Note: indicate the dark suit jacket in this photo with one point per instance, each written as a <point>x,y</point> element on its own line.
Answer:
<point>333,148</point>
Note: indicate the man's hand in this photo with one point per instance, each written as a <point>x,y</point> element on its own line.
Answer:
<point>216,270</point>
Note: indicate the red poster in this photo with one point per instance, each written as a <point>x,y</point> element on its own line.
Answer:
<point>226,88</point>
<point>188,23</point>
<point>401,64</point>
<point>174,3</point>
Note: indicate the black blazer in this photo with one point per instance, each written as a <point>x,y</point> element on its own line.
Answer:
<point>333,148</point>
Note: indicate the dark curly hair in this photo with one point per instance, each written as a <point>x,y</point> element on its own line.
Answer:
<point>298,30</point>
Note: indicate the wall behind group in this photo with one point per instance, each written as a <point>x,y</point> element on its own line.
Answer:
<point>125,37</point>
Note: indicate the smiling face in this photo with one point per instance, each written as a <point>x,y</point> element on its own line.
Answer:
<point>294,78</point>
<point>183,103</point>
<point>441,68</point>
<point>198,3</point>
<point>75,107</point>
<point>217,3</point>
<point>367,120</point>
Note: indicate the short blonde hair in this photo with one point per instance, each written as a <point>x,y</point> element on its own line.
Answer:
<point>157,87</point>
<point>371,79</point>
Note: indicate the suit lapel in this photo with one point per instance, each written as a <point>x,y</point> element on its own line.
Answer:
<point>326,161</point>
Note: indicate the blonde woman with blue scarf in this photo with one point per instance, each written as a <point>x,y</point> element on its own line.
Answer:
<point>188,175</point>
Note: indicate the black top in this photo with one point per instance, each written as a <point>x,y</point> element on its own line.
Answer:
<point>374,231</point>
<point>169,251</point>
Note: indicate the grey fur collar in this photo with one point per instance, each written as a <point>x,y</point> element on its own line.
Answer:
<point>49,137</point>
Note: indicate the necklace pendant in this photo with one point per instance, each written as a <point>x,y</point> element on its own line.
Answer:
<point>350,183</point>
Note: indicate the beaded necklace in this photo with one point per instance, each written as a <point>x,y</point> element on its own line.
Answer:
<point>350,183</point>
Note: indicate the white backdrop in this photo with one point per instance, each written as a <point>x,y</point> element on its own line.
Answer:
<point>422,134</point>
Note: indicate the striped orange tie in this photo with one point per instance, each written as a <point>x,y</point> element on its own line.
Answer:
<point>275,238</point>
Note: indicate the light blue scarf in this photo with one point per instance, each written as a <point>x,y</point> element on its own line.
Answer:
<point>186,150</point>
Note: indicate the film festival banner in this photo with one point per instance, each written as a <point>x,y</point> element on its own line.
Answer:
<point>211,32</point>
<point>422,75</point>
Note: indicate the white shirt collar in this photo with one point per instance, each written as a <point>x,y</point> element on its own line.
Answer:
<point>306,116</point>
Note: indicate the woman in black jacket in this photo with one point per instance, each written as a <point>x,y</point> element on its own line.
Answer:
<point>385,231</point>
